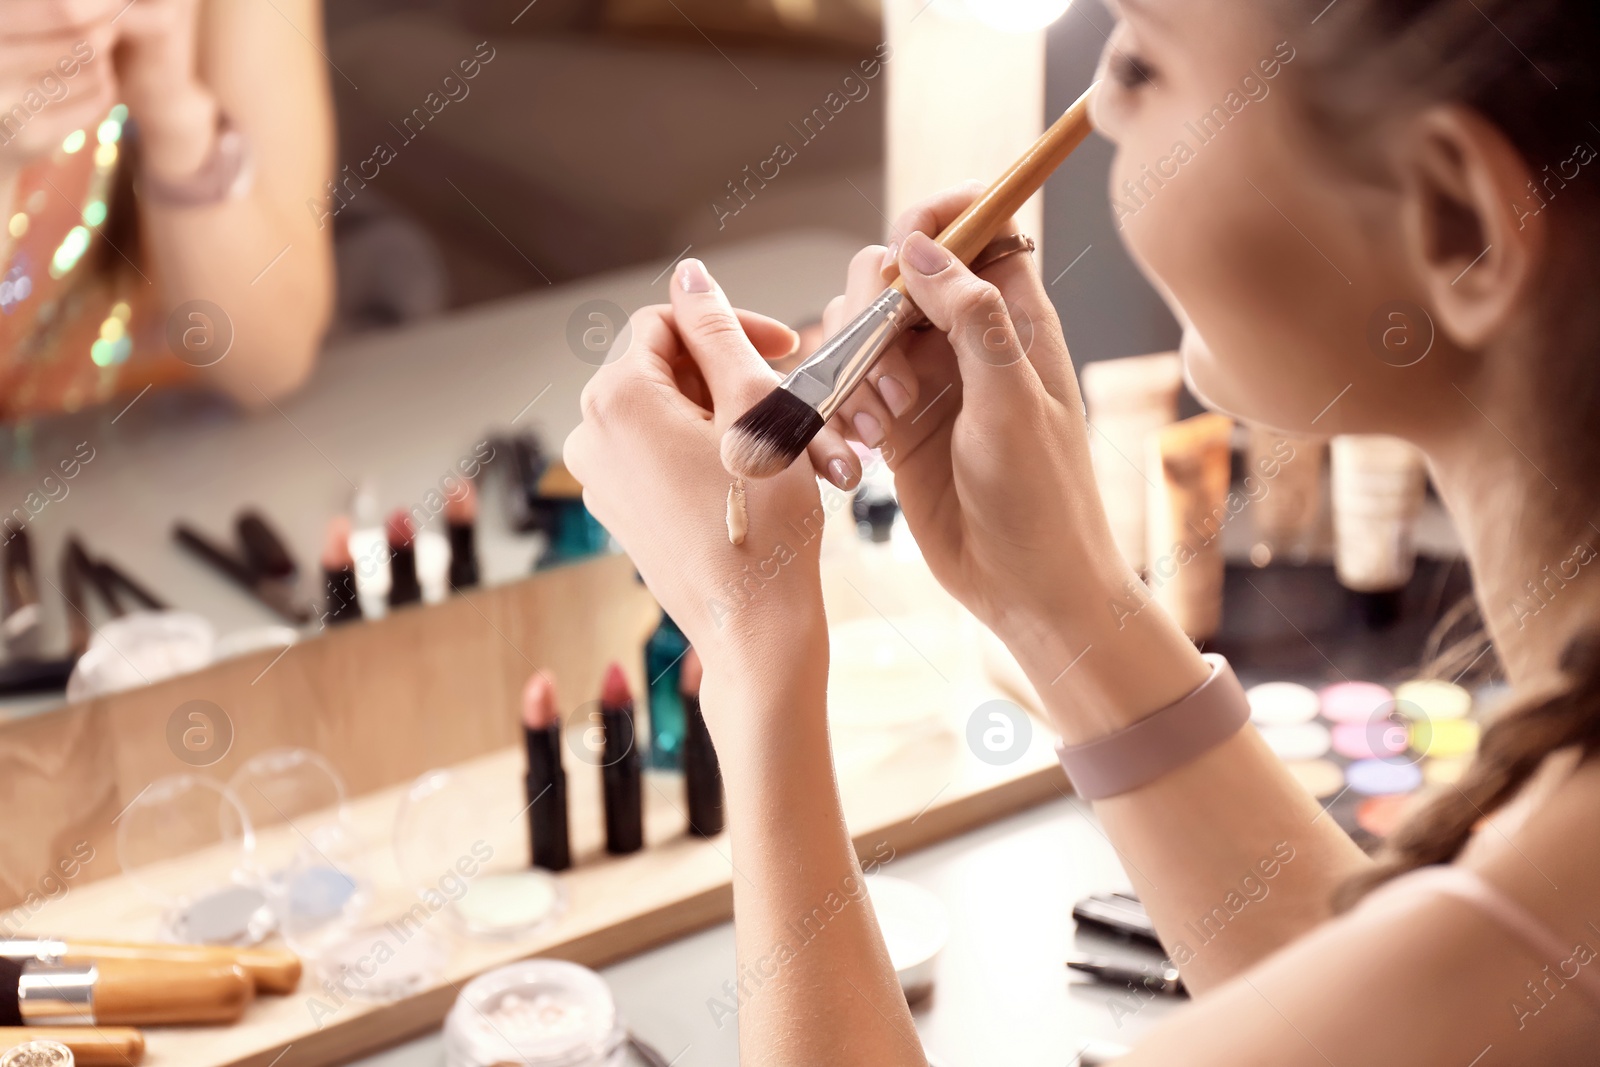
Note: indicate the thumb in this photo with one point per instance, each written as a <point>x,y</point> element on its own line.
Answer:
<point>735,373</point>
<point>994,364</point>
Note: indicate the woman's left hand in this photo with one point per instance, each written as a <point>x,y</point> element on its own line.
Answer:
<point>647,456</point>
<point>158,78</point>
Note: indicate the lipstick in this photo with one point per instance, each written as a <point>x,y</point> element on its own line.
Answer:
<point>461,518</point>
<point>403,587</point>
<point>702,774</point>
<point>619,769</point>
<point>340,602</point>
<point>121,993</point>
<point>547,781</point>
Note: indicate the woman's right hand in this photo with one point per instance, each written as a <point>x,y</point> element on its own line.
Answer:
<point>55,74</point>
<point>981,421</point>
<point>987,436</point>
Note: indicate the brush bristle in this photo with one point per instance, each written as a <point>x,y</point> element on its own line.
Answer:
<point>769,436</point>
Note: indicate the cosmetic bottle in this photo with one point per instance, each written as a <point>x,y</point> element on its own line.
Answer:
<point>1378,488</point>
<point>1190,464</point>
<point>663,671</point>
<point>1126,400</point>
<point>1288,472</point>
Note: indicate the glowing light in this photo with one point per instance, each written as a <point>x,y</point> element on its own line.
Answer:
<point>108,353</point>
<point>105,155</point>
<point>109,132</point>
<point>121,310</point>
<point>119,113</point>
<point>112,330</point>
<point>75,140</point>
<point>72,248</point>
<point>19,224</point>
<point>1018,16</point>
<point>94,213</point>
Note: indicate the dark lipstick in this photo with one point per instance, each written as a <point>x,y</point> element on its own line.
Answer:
<point>547,781</point>
<point>619,770</point>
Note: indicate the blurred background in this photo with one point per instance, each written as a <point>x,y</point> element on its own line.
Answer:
<point>607,133</point>
<point>297,306</point>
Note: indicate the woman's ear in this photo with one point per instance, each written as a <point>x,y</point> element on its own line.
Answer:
<point>1472,229</point>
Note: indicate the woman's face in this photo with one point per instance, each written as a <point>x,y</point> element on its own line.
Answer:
<point>1286,270</point>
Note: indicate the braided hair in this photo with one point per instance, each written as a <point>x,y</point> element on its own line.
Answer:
<point>1528,67</point>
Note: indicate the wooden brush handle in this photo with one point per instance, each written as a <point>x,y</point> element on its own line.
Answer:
<point>975,227</point>
<point>273,970</point>
<point>169,992</point>
<point>92,1046</point>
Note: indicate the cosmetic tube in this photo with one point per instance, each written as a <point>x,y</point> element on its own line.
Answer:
<point>1126,400</point>
<point>1378,488</point>
<point>1190,466</point>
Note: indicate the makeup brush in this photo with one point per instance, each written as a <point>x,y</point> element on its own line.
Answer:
<point>769,436</point>
<point>122,993</point>
<point>19,593</point>
<point>461,519</point>
<point>91,1046</point>
<point>272,970</point>
<point>403,587</point>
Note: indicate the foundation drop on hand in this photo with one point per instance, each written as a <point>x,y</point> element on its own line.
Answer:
<point>738,517</point>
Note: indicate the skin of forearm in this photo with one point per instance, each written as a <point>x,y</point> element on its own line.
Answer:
<point>1232,858</point>
<point>814,982</point>
<point>220,253</point>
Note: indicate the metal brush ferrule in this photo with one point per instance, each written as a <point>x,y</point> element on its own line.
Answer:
<point>831,374</point>
<point>57,994</point>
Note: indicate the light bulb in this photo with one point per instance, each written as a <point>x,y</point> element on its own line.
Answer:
<point>1017,16</point>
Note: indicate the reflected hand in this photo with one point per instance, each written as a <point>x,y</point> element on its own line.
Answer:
<point>55,74</point>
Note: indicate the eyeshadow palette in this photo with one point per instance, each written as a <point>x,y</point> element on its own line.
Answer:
<point>1368,752</point>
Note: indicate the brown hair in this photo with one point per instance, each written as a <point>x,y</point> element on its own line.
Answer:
<point>1527,66</point>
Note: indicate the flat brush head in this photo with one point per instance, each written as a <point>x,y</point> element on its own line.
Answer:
<point>770,436</point>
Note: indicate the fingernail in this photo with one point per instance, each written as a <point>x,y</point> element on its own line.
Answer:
<point>693,278</point>
<point>894,394</point>
<point>924,256</point>
<point>840,474</point>
<point>891,256</point>
<point>869,429</point>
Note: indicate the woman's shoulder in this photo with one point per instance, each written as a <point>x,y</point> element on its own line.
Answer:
<point>1541,850</point>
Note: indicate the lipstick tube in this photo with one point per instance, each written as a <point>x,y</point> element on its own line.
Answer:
<point>620,774</point>
<point>547,799</point>
<point>702,774</point>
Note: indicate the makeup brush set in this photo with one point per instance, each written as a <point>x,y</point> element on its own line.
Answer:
<point>91,996</point>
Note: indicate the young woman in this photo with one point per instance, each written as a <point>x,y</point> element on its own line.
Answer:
<point>1425,151</point>
<point>155,162</point>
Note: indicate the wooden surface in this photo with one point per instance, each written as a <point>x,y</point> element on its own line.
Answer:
<point>382,701</point>
<point>906,774</point>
